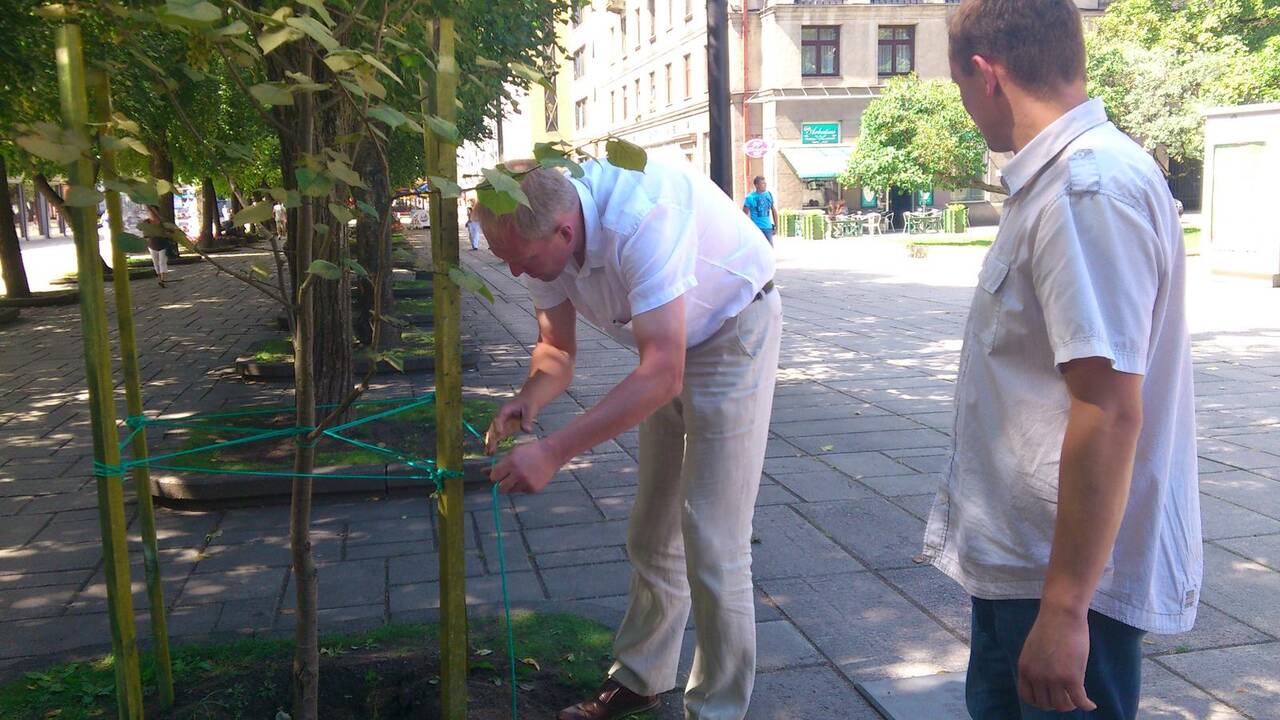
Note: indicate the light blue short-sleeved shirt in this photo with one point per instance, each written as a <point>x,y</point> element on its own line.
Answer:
<point>652,237</point>
<point>1089,262</point>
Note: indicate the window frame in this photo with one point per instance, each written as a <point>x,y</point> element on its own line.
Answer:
<point>893,44</point>
<point>818,45</point>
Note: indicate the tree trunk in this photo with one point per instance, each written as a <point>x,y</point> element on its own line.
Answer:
<point>11,267</point>
<point>162,169</point>
<point>44,188</point>
<point>373,249</point>
<point>208,213</point>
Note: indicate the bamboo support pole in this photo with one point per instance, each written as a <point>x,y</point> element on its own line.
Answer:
<point>442,161</point>
<point>133,401</point>
<point>97,358</point>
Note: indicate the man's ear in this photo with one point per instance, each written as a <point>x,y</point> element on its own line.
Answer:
<point>990,75</point>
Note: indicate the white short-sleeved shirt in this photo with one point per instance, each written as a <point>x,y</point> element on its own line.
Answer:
<point>1089,262</point>
<point>652,237</point>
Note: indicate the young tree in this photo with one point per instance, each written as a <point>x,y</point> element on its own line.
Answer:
<point>917,136</point>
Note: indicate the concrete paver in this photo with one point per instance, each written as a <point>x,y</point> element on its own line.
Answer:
<point>860,435</point>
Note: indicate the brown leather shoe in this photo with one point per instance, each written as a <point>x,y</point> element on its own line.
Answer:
<point>612,701</point>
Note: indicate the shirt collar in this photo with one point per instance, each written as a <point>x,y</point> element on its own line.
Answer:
<point>1044,147</point>
<point>591,223</point>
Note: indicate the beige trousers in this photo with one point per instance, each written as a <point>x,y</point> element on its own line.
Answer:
<point>689,539</point>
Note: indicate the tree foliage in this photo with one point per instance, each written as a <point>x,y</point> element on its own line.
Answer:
<point>1158,64</point>
<point>917,136</point>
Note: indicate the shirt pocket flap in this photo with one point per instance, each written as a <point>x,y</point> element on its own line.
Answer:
<point>994,271</point>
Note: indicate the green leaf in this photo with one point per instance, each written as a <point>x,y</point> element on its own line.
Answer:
<point>325,269</point>
<point>318,6</point>
<point>499,203</point>
<point>504,183</point>
<point>255,213</point>
<point>236,150</point>
<point>236,28</point>
<point>80,196</point>
<point>485,62</point>
<point>196,11</point>
<point>367,209</point>
<point>385,70</point>
<point>131,243</point>
<point>144,193</point>
<point>549,155</point>
<point>273,39</point>
<point>124,124</point>
<point>626,155</point>
<point>111,142</point>
<point>321,229</point>
<point>355,267</point>
<point>312,183</point>
<point>56,12</point>
<point>342,60</point>
<point>293,199</point>
<point>259,269</point>
<point>340,212</point>
<point>271,94</point>
<point>443,129</point>
<point>389,115</point>
<point>316,31</point>
<point>367,82</point>
<point>63,153</point>
<point>528,73</point>
<point>448,188</point>
<point>394,359</point>
<point>342,172</point>
<point>471,281</point>
<point>352,88</point>
<point>278,193</point>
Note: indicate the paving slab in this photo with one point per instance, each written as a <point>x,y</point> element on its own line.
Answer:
<point>822,485</point>
<point>875,531</point>
<point>1241,588</point>
<point>807,692</point>
<point>866,628</point>
<point>1243,677</point>
<point>790,546</point>
<point>937,697</point>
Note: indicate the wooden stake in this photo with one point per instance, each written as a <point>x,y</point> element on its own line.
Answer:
<point>97,360</point>
<point>442,161</point>
<point>133,399</point>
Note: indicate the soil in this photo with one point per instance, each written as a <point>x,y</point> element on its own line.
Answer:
<point>375,683</point>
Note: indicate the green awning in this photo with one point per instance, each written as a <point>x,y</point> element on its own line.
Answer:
<point>818,162</point>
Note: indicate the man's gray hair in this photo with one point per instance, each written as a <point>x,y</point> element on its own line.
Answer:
<point>550,194</point>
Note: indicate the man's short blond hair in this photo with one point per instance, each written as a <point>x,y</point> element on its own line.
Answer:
<point>550,194</point>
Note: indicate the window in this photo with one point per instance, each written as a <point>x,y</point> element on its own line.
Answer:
<point>653,91</point>
<point>551,108</point>
<point>637,29</point>
<point>671,13</point>
<point>968,195</point>
<point>897,47</point>
<point>688,10</point>
<point>579,64</point>
<point>668,83</point>
<point>653,20</point>
<point>819,51</point>
<point>637,98</point>
<point>580,114</point>
<point>622,45</point>
<point>688,77</point>
<point>577,16</point>
<point>625,109</point>
<point>613,106</point>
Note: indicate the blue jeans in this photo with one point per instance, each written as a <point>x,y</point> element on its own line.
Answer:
<point>768,234</point>
<point>1112,677</point>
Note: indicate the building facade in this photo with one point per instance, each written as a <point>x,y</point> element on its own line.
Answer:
<point>801,74</point>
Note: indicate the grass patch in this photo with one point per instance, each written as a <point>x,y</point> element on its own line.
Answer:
<point>949,240</point>
<point>412,285</point>
<point>416,306</point>
<point>559,657</point>
<point>1191,239</point>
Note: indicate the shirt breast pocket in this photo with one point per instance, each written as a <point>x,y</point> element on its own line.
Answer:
<point>987,303</point>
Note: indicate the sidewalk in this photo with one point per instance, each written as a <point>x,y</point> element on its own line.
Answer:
<point>860,435</point>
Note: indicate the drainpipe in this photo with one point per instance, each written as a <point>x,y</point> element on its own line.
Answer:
<point>746,124</point>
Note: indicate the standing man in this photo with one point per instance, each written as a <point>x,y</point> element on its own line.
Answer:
<point>759,207</point>
<point>1070,511</point>
<point>660,261</point>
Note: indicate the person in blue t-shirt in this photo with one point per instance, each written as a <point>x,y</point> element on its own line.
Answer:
<point>759,207</point>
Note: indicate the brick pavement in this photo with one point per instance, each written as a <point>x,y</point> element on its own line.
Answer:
<point>860,434</point>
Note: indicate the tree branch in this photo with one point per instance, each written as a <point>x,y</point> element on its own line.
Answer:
<point>42,184</point>
<point>235,76</point>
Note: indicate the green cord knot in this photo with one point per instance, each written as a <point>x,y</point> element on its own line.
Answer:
<point>101,469</point>
<point>135,421</point>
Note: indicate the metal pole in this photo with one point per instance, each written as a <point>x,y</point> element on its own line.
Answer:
<point>97,360</point>
<point>442,161</point>
<point>23,211</point>
<point>718,94</point>
<point>133,400</point>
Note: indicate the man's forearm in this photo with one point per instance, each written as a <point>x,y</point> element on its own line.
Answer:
<point>631,401</point>
<point>1093,490</point>
<point>550,374</point>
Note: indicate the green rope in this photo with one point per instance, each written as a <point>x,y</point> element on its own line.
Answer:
<point>506,595</point>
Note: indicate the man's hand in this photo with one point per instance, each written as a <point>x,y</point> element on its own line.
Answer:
<point>513,417</point>
<point>526,469</point>
<point>1051,667</point>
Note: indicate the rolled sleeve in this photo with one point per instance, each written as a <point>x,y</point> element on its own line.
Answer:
<point>659,259</point>
<point>1096,274</point>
